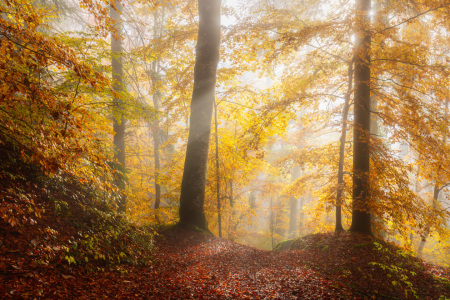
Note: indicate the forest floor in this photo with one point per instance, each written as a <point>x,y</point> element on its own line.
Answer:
<point>192,265</point>
<point>60,239</point>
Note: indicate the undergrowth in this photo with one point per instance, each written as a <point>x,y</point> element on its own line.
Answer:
<point>58,219</point>
<point>380,269</point>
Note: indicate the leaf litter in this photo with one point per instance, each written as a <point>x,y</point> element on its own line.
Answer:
<point>191,265</point>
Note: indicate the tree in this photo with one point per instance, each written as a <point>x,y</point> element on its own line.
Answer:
<point>207,58</point>
<point>118,85</point>
<point>156,82</point>
<point>340,186</point>
<point>407,54</point>
<point>293,206</point>
<point>216,135</point>
<point>43,107</point>
<point>361,128</point>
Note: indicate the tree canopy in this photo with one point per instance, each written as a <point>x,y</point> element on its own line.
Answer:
<point>330,115</point>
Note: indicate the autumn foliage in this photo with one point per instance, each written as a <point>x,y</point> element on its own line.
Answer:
<point>293,158</point>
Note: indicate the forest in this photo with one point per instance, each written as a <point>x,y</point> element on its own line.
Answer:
<point>224,149</point>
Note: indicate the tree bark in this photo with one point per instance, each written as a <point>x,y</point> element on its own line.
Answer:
<point>340,187</point>
<point>118,86</point>
<point>293,206</point>
<point>193,184</point>
<point>219,213</point>
<point>156,139</point>
<point>156,82</point>
<point>361,130</point>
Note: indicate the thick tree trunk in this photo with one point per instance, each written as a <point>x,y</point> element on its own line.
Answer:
<point>118,86</point>
<point>340,187</point>
<point>207,57</point>
<point>361,130</point>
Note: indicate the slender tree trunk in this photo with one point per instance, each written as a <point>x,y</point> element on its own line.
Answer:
<point>293,206</point>
<point>156,82</point>
<point>361,130</point>
<point>272,223</point>
<point>416,190</point>
<point>231,194</point>
<point>233,212</point>
<point>340,187</point>
<point>232,174</point>
<point>217,170</point>
<point>192,196</point>
<point>118,86</point>
<point>156,146</point>
<point>301,217</point>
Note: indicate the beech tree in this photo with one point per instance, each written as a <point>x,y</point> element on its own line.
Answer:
<point>285,91</point>
<point>118,85</point>
<point>207,58</point>
<point>361,128</point>
<point>340,186</point>
<point>158,27</point>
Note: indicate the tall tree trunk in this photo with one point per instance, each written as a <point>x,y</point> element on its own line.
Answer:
<point>233,211</point>
<point>118,86</point>
<point>361,130</point>
<point>219,213</point>
<point>193,184</point>
<point>156,139</point>
<point>340,187</point>
<point>272,223</point>
<point>416,190</point>
<point>156,82</point>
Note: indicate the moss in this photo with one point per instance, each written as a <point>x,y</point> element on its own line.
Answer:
<point>283,246</point>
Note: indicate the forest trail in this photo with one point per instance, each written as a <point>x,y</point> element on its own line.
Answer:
<point>193,265</point>
<point>202,266</point>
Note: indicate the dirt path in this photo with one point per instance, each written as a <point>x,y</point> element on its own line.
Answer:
<point>192,265</point>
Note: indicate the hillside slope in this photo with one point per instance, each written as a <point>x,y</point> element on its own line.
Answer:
<point>191,265</point>
<point>59,239</point>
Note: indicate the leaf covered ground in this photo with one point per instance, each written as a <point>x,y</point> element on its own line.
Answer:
<point>60,240</point>
<point>192,265</point>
